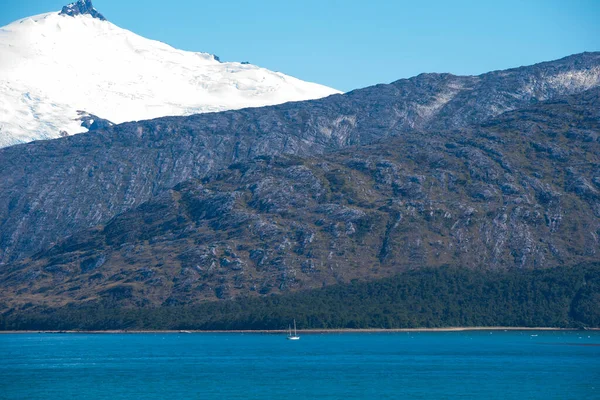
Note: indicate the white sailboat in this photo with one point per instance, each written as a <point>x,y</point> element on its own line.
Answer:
<point>295,335</point>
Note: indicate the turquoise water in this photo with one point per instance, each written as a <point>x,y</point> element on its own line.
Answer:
<point>476,365</point>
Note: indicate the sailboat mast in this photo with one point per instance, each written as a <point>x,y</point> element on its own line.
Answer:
<point>295,335</point>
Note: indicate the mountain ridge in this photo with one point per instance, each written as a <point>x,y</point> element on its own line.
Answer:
<point>519,192</point>
<point>125,165</point>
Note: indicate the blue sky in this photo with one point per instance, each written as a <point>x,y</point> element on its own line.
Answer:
<point>351,44</point>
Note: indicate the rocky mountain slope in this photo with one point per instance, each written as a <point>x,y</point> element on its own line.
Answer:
<point>521,191</point>
<point>93,67</point>
<point>50,190</point>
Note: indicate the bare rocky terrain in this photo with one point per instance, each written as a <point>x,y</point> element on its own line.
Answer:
<point>239,216</point>
<point>50,190</point>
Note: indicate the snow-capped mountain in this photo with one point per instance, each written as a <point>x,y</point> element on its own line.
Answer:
<point>62,69</point>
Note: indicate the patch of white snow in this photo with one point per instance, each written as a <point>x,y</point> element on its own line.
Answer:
<point>53,65</point>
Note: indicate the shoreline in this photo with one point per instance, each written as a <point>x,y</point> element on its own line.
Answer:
<point>309,331</point>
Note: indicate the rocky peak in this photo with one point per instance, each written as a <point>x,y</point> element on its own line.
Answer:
<point>82,7</point>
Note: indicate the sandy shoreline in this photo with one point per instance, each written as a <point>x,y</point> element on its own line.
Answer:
<point>315,331</point>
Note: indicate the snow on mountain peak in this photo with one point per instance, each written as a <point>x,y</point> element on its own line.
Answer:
<point>56,66</point>
<point>82,7</point>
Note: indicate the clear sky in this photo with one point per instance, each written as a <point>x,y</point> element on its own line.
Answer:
<point>352,43</point>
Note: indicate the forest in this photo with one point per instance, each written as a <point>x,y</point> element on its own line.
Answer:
<point>424,298</point>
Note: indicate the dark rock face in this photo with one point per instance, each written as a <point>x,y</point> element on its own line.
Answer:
<point>53,189</point>
<point>480,197</point>
<point>93,122</point>
<point>81,7</point>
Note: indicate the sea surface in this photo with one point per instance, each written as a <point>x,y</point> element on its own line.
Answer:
<point>426,365</point>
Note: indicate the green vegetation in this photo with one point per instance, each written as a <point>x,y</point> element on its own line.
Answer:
<point>559,297</point>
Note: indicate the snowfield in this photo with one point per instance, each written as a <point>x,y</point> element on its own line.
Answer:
<point>52,66</point>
